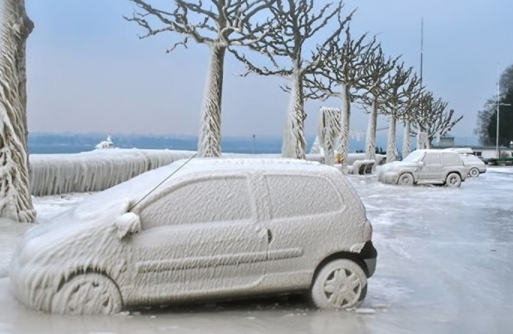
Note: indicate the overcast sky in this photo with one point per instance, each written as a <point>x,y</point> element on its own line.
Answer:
<point>88,71</point>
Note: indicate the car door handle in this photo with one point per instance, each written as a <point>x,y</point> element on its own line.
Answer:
<point>269,236</point>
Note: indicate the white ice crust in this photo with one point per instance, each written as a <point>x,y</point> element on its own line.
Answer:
<point>142,239</point>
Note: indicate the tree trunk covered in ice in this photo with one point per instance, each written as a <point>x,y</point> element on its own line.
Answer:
<point>294,143</point>
<point>219,24</point>
<point>328,131</point>
<point>406,139</point>
<point>431,117</point>
<point>345,119</point>
<point>15,199</point>
<point>288,47</point>
<point>209,144</point>
<point>401,89</point>
<point>342,76</point>
<point>370,141</point>
<point>391,149</point>
<point>377,83</point>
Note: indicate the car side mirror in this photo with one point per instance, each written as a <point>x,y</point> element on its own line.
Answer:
<point>421,163</point>
<point>127,224</point>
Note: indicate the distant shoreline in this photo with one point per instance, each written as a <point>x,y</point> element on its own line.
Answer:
<point>65,143</point>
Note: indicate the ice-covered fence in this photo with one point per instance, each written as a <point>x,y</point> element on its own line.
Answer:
<point>97,170</point>
<point>94,171</point>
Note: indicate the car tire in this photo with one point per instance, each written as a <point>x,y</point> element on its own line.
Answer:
<point>473,172</point>
<point>405,179</point>
<point>88,294</point>
<point>340,284</point>
<point>453,180</point>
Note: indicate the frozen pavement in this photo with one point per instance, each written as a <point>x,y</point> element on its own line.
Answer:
<point>443,267</point>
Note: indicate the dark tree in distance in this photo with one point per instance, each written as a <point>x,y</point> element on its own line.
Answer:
<point>487,117</point>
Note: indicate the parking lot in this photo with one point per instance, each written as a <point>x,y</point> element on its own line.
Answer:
<point>444,266</point>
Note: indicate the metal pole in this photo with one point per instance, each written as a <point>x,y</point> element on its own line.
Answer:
<point>421,48</point>
<point>498,108</point>
<point>253,143</point>
<point>499,104</point>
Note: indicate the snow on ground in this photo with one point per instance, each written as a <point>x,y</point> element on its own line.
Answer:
<point>444,266</point>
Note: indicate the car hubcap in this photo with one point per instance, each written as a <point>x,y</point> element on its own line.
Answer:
<point>90,295</point>
<point>342,287</point>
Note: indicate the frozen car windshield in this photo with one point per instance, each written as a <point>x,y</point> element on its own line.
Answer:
<point>414,156</point>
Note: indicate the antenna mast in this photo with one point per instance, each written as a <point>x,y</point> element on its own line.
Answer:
<point>421,48</point>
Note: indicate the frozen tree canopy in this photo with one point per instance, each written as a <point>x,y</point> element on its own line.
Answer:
<point>297,22</point>
<point>15,200</point>
<point>219,25</point>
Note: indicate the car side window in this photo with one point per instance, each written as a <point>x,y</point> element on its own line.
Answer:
<point>432,159</point>
<point>300,195</point>
<point>201,201</point>
<point>451,160</point>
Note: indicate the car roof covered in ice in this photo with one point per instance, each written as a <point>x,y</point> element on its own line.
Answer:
<point>128,193</point>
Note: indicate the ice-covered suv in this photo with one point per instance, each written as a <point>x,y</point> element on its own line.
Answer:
<point>212,229</point>
<point>440,167</point>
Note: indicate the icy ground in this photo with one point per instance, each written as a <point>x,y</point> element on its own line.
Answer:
<point>444,266</point>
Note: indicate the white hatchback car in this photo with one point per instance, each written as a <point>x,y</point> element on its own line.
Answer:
<point>213,229</point>
<point>440,167</point>
<point>475,166</point>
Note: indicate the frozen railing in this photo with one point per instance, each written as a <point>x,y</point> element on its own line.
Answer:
<point>52,174</point>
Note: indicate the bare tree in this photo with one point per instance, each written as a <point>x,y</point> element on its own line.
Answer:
<point>223,24</point>
<point>327,131</point>
<point>399,90</point>
<point>15,199</point>
<point>297,23</point>
<point>409,116</point>
<point>432,118</point>
<point>342,76</point>
<point>376,76</point>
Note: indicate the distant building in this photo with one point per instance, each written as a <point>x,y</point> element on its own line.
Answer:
<point>483,152</point>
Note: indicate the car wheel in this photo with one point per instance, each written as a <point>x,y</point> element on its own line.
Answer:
<point>88,294</point>
<point>474,172</point>
<point>453,180</point>
<point>405,179</point>
<point>339,284</point>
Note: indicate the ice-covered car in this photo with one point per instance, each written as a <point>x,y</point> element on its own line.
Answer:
<point>213,229</point>
<point>474,165</point>
<point>432,166</point>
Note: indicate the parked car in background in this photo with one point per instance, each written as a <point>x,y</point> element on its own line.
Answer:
<point>440,167</point>
<point>213,229</point>
<point>474,165</point>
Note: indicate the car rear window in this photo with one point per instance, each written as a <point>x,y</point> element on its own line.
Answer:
<point>432,159</point>
<point>301,195</point>
<point>452,159</point>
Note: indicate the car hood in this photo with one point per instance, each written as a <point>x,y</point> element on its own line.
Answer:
<point>398,165</point>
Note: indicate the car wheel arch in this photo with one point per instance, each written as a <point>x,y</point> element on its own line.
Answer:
<point>340,256</point>
<point>461,179</point>
<point>83,271</point>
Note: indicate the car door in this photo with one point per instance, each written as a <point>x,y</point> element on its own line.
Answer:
<point>301,225</point>
<point>201,238</point>
<point>432,168</point>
